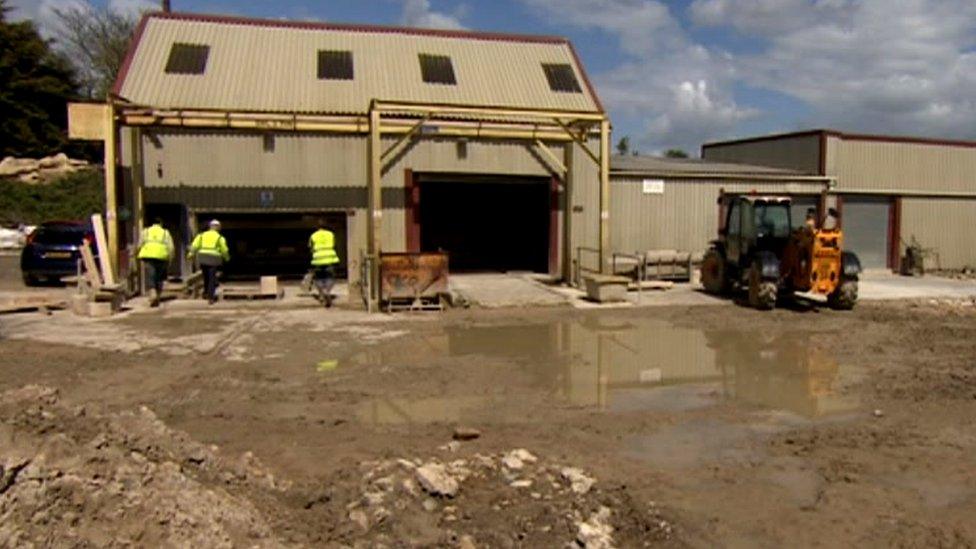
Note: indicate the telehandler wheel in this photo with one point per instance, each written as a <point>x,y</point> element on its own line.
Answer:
<point>844,297</point>
<point>713,273</point>
<point>762,293</point>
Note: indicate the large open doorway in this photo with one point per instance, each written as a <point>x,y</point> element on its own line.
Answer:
<point>487,224</point>
<point>274,243</point>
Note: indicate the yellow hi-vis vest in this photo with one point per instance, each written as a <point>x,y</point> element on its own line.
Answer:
<point>322,245</point>
<point>210,242</point>
<point>156,243</point>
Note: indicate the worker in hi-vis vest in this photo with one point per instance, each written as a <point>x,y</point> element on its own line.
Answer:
<point>210,250</point>
<point>155,252</point>
<point>324,259</point>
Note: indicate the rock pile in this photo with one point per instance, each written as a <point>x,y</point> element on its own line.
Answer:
<point>30,170</point>
<point>499,500</point>
<point>73,477</point>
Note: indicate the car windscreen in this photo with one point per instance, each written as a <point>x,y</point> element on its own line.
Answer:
<point>59,236</point>
<point>773,220</point>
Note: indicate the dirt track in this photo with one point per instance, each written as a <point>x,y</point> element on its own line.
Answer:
<point>702,426</point>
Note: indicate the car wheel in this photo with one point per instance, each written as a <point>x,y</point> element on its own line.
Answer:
<point>30,280</point>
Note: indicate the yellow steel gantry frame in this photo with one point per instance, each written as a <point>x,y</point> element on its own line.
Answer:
<point>406,120</point>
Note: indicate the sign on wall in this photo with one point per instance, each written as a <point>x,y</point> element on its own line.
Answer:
<point>653,186</point>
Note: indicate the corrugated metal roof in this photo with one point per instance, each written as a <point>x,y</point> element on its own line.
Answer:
<point>269,66</point>
<point>678,166</point>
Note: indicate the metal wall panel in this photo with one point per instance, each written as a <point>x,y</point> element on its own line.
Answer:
<point>181,158</point>
<point>800,153</point>
<point>879,165</point>
<point>260,67</point>
<point>684,217</point>
<point>943,225</point>
<point>866,225</point>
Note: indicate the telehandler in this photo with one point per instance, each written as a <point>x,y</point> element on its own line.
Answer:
<point>759,250</point>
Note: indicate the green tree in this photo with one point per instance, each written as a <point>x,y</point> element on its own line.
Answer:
<point>35,86</point>
<point>96,40</point>
<point>675,153</point>
<point>623,146</point>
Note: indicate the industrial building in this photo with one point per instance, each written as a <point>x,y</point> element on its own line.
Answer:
<point>671,203</point>
<point>492,147</point>
<point>891,191</point>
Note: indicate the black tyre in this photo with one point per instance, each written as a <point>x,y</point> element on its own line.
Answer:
<point>762,293</point>
<point>844,297</point>
<point>30,280</point>
<point>713,273</point>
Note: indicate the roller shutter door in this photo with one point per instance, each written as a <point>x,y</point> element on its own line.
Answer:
<point>866,222</point>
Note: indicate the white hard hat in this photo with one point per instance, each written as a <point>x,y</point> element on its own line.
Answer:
<point>214,223</point>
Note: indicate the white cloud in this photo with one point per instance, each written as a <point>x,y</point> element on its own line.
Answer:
<point>133,8</point>
<point>418,13</point>
<point>902,66</point>
<point>679,92</point>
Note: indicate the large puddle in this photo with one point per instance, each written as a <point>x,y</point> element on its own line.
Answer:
<point>628,364</point>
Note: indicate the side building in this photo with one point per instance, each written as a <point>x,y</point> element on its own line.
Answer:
<point>891,191</point>
<point>672,203</point>
<point>492,147</point>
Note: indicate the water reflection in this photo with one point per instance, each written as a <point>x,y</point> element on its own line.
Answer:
<point>624,364</point>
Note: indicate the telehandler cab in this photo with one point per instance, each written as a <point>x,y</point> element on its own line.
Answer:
<point>759,250</point>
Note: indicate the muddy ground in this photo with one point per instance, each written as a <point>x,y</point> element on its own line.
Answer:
<point>701,426</point>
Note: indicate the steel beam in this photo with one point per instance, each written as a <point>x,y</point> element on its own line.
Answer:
<point>111,197</point>
<point>604,193</point>
<point>375,207</point>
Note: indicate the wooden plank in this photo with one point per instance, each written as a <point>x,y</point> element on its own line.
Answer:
<point>27,303</point>
<point>91,269</point>
<point>104,256</point>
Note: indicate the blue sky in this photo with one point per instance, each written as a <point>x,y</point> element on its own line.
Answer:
<point>682,72</point>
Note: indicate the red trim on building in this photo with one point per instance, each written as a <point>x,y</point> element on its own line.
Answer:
<point>412,213</point>
<point>586,78</point>
<point>822,160</point>
<point>554,225</point>
<point>131,53</point>
<point>839,206</point>
<point>894,234</point>
<point>824,133</point>
<point>387,29</point>
<point>379,29</point>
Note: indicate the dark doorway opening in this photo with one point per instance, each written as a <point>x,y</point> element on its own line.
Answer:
<point>274,243</point>
<point>487,224</point>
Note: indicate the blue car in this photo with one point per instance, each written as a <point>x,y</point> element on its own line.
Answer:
<point>52,251</point>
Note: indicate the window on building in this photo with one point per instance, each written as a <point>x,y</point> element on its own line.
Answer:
<point>561,77</point>
<point>437,69</point>
<point>187,58</point>
<point>335,65</point>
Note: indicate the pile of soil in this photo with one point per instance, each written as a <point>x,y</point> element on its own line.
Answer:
<point>88,476</point>
<point>500,500</point>
<point>77,477</point>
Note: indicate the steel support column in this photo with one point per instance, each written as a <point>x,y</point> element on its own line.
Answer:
<point>604,194</point>
<point>374,222</point>
<point>111,197</point>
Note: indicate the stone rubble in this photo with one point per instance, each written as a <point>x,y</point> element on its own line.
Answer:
<point>30,170</point>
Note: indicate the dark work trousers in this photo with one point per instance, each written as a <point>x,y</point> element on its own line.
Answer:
<point>209,265</point>
<point>155,273</point>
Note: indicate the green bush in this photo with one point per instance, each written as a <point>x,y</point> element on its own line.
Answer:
<point>75,196</point>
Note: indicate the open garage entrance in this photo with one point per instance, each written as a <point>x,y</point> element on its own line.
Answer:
<point>486,224</point>
<point>274,243</point>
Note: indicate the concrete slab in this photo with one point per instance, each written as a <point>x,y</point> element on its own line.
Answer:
<point>504,290</point>
<point>875,285</point>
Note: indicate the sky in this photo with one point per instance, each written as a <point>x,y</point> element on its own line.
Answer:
<point>679,73</point>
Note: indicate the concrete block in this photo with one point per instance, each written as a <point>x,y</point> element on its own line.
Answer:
<point>606,288</point>
<point>269,285</point>
<point>100,309</point>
